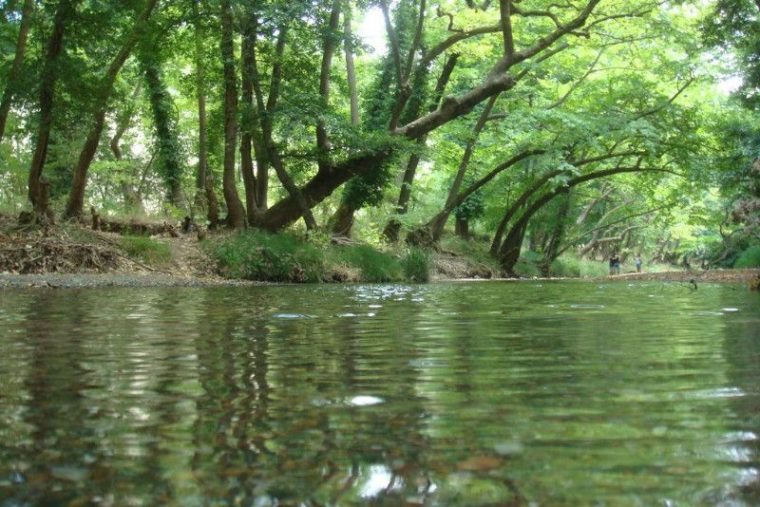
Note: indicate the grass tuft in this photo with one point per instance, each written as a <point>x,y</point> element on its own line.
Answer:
<point>146,249</point>
<point>416,265</point>
<point>256,255</point>
<point>374,265</point>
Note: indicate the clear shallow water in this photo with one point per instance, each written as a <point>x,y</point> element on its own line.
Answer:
<point>449,394</point>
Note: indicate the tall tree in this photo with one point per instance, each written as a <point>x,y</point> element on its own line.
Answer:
<point>37,190</point>
<point>235,212</point>
<point>18,62</point>
<point>75,202</point>
<point>169,150</point>
<point>204,181</point>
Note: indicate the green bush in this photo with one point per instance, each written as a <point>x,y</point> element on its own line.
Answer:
<point>416,265</point>
<point>528,264</point>
<point>257,255</point>
<point>749,258</point>
<point>573,267</point>
<point>566,267</point>
<point>146,249</point>
<point>375,266</point>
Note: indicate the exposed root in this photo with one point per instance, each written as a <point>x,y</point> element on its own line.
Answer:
<point>51,255</point>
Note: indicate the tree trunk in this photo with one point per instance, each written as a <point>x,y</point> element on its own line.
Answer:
<point>343,220</point>
<point>393,227</point>
<point>462,228</point>
<point>76,195</point>
<point>350,68</point>
<point>132,199</point>
<point>235,211</point>
<point>551,252</point>
<point>288,210</point>
<point>204,181</point>
<point>262,160</point>
<point>18,62</point>
<point>246,137</point>
<point>295,195</point>
<point>47,91</point>
<point>164,123</point>
<point>510,250</point>
<point>323,143</point>
<point>464,163</point>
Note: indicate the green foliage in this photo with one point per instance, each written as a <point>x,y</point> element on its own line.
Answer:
<point>749,258</point>
<point>146,249</point>
<point>472,207</point>
<point>573,267</point>
<point>375,266</point>
<point>256,255</point>
<point>416,265</point>
<point>529,264</point>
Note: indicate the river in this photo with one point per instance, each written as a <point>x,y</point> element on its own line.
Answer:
<point>487,393</point>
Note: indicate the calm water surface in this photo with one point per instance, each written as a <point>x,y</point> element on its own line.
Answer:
<point>450,394</point>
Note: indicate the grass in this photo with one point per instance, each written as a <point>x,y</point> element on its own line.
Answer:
<point>573,267</point>
<point>749,258</point>
<point>256,255</point>
<point>416,265</point>
<point>146,249</point>
<point>374,265</point>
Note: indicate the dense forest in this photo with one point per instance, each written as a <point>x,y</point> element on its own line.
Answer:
<point>535,127</point>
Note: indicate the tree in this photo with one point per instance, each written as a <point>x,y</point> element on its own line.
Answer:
<point>76,195</point>
<point>235,211</point>
<point>38,188</point>
<point>18,61</point>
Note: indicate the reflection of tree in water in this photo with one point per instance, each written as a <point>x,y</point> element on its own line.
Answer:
<point>276,418</point>
<point>58,449</point>
<point>742,354</point>
<point>382,447</point>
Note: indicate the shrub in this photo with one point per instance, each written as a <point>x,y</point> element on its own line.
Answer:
<point>749,258</point>
<point>566,267</point>
<point>573,267</point>
<point>375,266</point>
<point>416,265</point>
<point>257,255</point>
<point>528,264</point>
<point>146,249</point>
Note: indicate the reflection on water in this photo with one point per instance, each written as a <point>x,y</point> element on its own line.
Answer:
<point>452,394</point>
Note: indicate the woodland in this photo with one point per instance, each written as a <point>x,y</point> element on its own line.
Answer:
<point>538,128</point>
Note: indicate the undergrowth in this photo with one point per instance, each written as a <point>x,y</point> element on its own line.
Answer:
<point>146,249</point>
<point>416,265</point>
<point>256,255</point>
<point>374,265</point>
<point>749,258</point>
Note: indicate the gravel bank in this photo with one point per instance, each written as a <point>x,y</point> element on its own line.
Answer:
<point>80,281</point>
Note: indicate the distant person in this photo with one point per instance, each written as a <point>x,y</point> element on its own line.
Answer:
<point>614,264</point>
<point>637,261</point>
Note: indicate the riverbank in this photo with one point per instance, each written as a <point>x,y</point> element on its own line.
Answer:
<point>74,256</point>
<point>152,280</point>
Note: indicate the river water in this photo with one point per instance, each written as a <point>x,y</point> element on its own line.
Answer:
<point>490,393</point>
